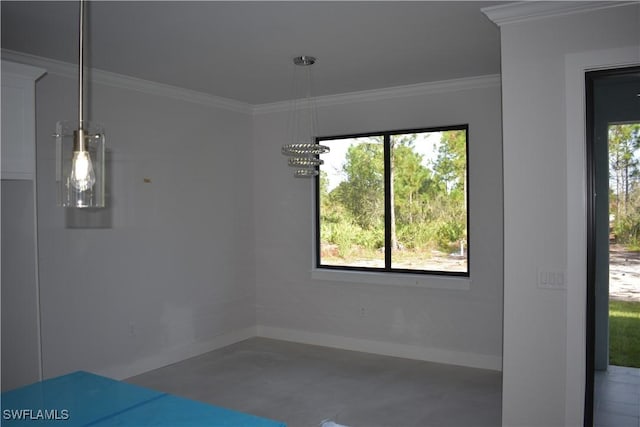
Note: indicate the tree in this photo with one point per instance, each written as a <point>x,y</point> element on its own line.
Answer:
<point>411,180</point>
<point>392,202</point>
<point>450,169</point>
<point>427,199</point>
<point>451,164</point>
<point>362,193</point>
<point>623,144</point>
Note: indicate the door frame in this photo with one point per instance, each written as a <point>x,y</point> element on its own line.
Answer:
<point>590,122</point>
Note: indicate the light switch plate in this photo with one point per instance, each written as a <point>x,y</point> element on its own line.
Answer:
<point>551,278</point>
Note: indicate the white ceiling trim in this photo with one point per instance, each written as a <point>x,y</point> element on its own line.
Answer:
<point>441,86</point>
<point>531,10</point>
<point>66,69</point>
<point>22,71</point>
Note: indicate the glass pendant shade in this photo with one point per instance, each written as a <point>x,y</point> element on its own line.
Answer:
<point>80,164</point>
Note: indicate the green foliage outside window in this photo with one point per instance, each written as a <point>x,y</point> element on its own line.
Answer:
<point>428,209</point>
<point>624,180</point>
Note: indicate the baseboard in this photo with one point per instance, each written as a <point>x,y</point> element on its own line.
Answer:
<point>177,354</point>
<point>180,353</point>
<point>472,360</point>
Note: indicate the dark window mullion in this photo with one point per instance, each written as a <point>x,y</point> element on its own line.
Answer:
<point>387,202</point>
<point>318,260</point>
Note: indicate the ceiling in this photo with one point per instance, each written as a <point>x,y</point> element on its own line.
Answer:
<point>243,50</point>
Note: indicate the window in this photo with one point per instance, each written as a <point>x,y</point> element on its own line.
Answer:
<point>394,201</point>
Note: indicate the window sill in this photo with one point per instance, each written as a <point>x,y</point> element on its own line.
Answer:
<point>394,279</point>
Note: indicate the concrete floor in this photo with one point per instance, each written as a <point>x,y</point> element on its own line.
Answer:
<point>306,386</point>
<point>617,397</point>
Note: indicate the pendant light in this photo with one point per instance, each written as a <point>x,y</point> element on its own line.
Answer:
<point>303,151</point>
<point>80,150</point>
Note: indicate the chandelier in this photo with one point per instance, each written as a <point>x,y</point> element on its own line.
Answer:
<point>303,151</point>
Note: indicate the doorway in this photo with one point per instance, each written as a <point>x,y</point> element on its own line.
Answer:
<point>613,235</point>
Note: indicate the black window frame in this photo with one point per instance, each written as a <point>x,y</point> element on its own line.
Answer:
<point>386,135</point>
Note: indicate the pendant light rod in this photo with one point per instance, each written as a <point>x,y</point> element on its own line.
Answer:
<point>81,67</point>
<point>80,147</point>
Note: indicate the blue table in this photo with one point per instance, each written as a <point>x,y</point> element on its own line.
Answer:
<point>85,399</point>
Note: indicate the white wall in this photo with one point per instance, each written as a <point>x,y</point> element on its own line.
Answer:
<point>178,268</point>
<point>20,334</point>
<point>173,275</point>
<point>543,195</point>
<point>452,326</point>
<point>19,293</point>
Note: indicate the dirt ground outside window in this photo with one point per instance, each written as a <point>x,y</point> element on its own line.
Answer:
<point>624,274</point>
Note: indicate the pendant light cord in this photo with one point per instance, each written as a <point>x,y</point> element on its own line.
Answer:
<point>81,68</point>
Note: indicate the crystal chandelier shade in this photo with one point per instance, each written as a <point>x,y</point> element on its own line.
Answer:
<point>303,151</point>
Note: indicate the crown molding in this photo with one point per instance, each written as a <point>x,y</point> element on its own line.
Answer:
<point>22,71</point>
<point>66,69</point>
<point>511,13</point>
<point>442,86</point>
